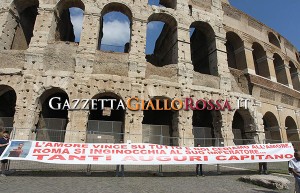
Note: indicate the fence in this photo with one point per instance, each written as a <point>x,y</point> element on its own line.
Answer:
<point>111,137</point>
<point>113,48</point>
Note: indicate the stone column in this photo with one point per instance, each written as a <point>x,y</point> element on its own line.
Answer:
<point>226,129</point>
<point>133,126</point>
<point>288,74</point>
<point>44,31</point>
<point>283,75</point>
<point>27,110</point>
<point>137,65</point>
<point>269,60</point>
<point>89,39</point>
<point>77,126</point>
<point>219,58</point>
<point>88,44</point>
<point>8,24</point>
<point>244,58</point>
<point>281,123</point>
<point>296,80</point>
<point>185,66</point>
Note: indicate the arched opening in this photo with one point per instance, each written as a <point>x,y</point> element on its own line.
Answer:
<point>273,39</point>
<point>202,40</point>
<point>260,60</point>
<point>206,128</point>
<point>69,20</point>
<point>158,126</point>
<point>294,76</point>
<point>235,54</point>
<point>280,70</point>
<point>106,119</point>
<point>52,123</point>
<point>243,127</point>
<point>19,29</point>
<point>165,3</point>
<point>162,40</point>
<point>271,127</point>
<point>8,99</point>
<point>297,57</point>
<point>291,130</point>
<point>115,32</point>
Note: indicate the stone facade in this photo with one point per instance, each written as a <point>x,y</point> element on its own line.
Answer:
<point>40,61</point>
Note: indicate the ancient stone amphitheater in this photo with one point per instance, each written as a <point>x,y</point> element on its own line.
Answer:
<point>207,50</point>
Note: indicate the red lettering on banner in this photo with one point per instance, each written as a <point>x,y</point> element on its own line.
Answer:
<point>143,158</point>
<point>183,158</point>
<point>233,158</point>
<point>95,157</point>
<point>54,151</point>
<point>73,157</point>
<point>195,158</point>
<point>243,157</point>
<point>129,158</point>
<point>40,157</point>
<point>59,157</point>
<point>221,158</point>
<point>163,158</point>
<point>37,144</point>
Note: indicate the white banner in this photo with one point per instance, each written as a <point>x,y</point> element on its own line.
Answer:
<point>144,154</point>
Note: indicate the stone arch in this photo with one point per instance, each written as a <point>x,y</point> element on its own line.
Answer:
<point>291,129</point>
<point>160,127</point>
<point>105,119</point>
<point>115,44</point>
<point>64,29</point>
<point>202,44</point>
<point>260,60</point>
<point>297,57</point>
<point>271,127</point>
<point>52,123</point>
<point>294,76</point>
<point>19,30</point>
<point>165,48</point>
<point>207,128</point>
<point>8,98</point>
<point>280,69</point>
<point>234,48</point>
<point>166,3</point>
<point>273,39</point>
<point>243,127</point>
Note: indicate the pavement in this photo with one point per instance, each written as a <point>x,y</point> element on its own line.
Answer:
<point>134,182</point>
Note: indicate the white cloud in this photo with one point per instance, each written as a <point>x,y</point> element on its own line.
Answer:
<point>116,33</point>
<point>77,21</point>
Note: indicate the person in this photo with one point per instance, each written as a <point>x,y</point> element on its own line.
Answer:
<point>3,144</point>
<point>294,168</point>
<point>263,169</point>
<point>118,173</point>
<point>199,166</point>
<point>16,152</point>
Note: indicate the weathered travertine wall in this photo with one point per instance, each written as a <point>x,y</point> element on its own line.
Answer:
<point>49,65</point>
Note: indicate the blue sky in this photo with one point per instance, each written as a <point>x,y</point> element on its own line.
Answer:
<point>281,15</point>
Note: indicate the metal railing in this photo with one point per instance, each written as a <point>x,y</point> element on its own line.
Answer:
<point>105,126</point>
<point>103,137</point>
<point>113,48</point>
<point>52,124</point>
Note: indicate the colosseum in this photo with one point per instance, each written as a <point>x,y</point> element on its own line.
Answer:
<point>207,49</point>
